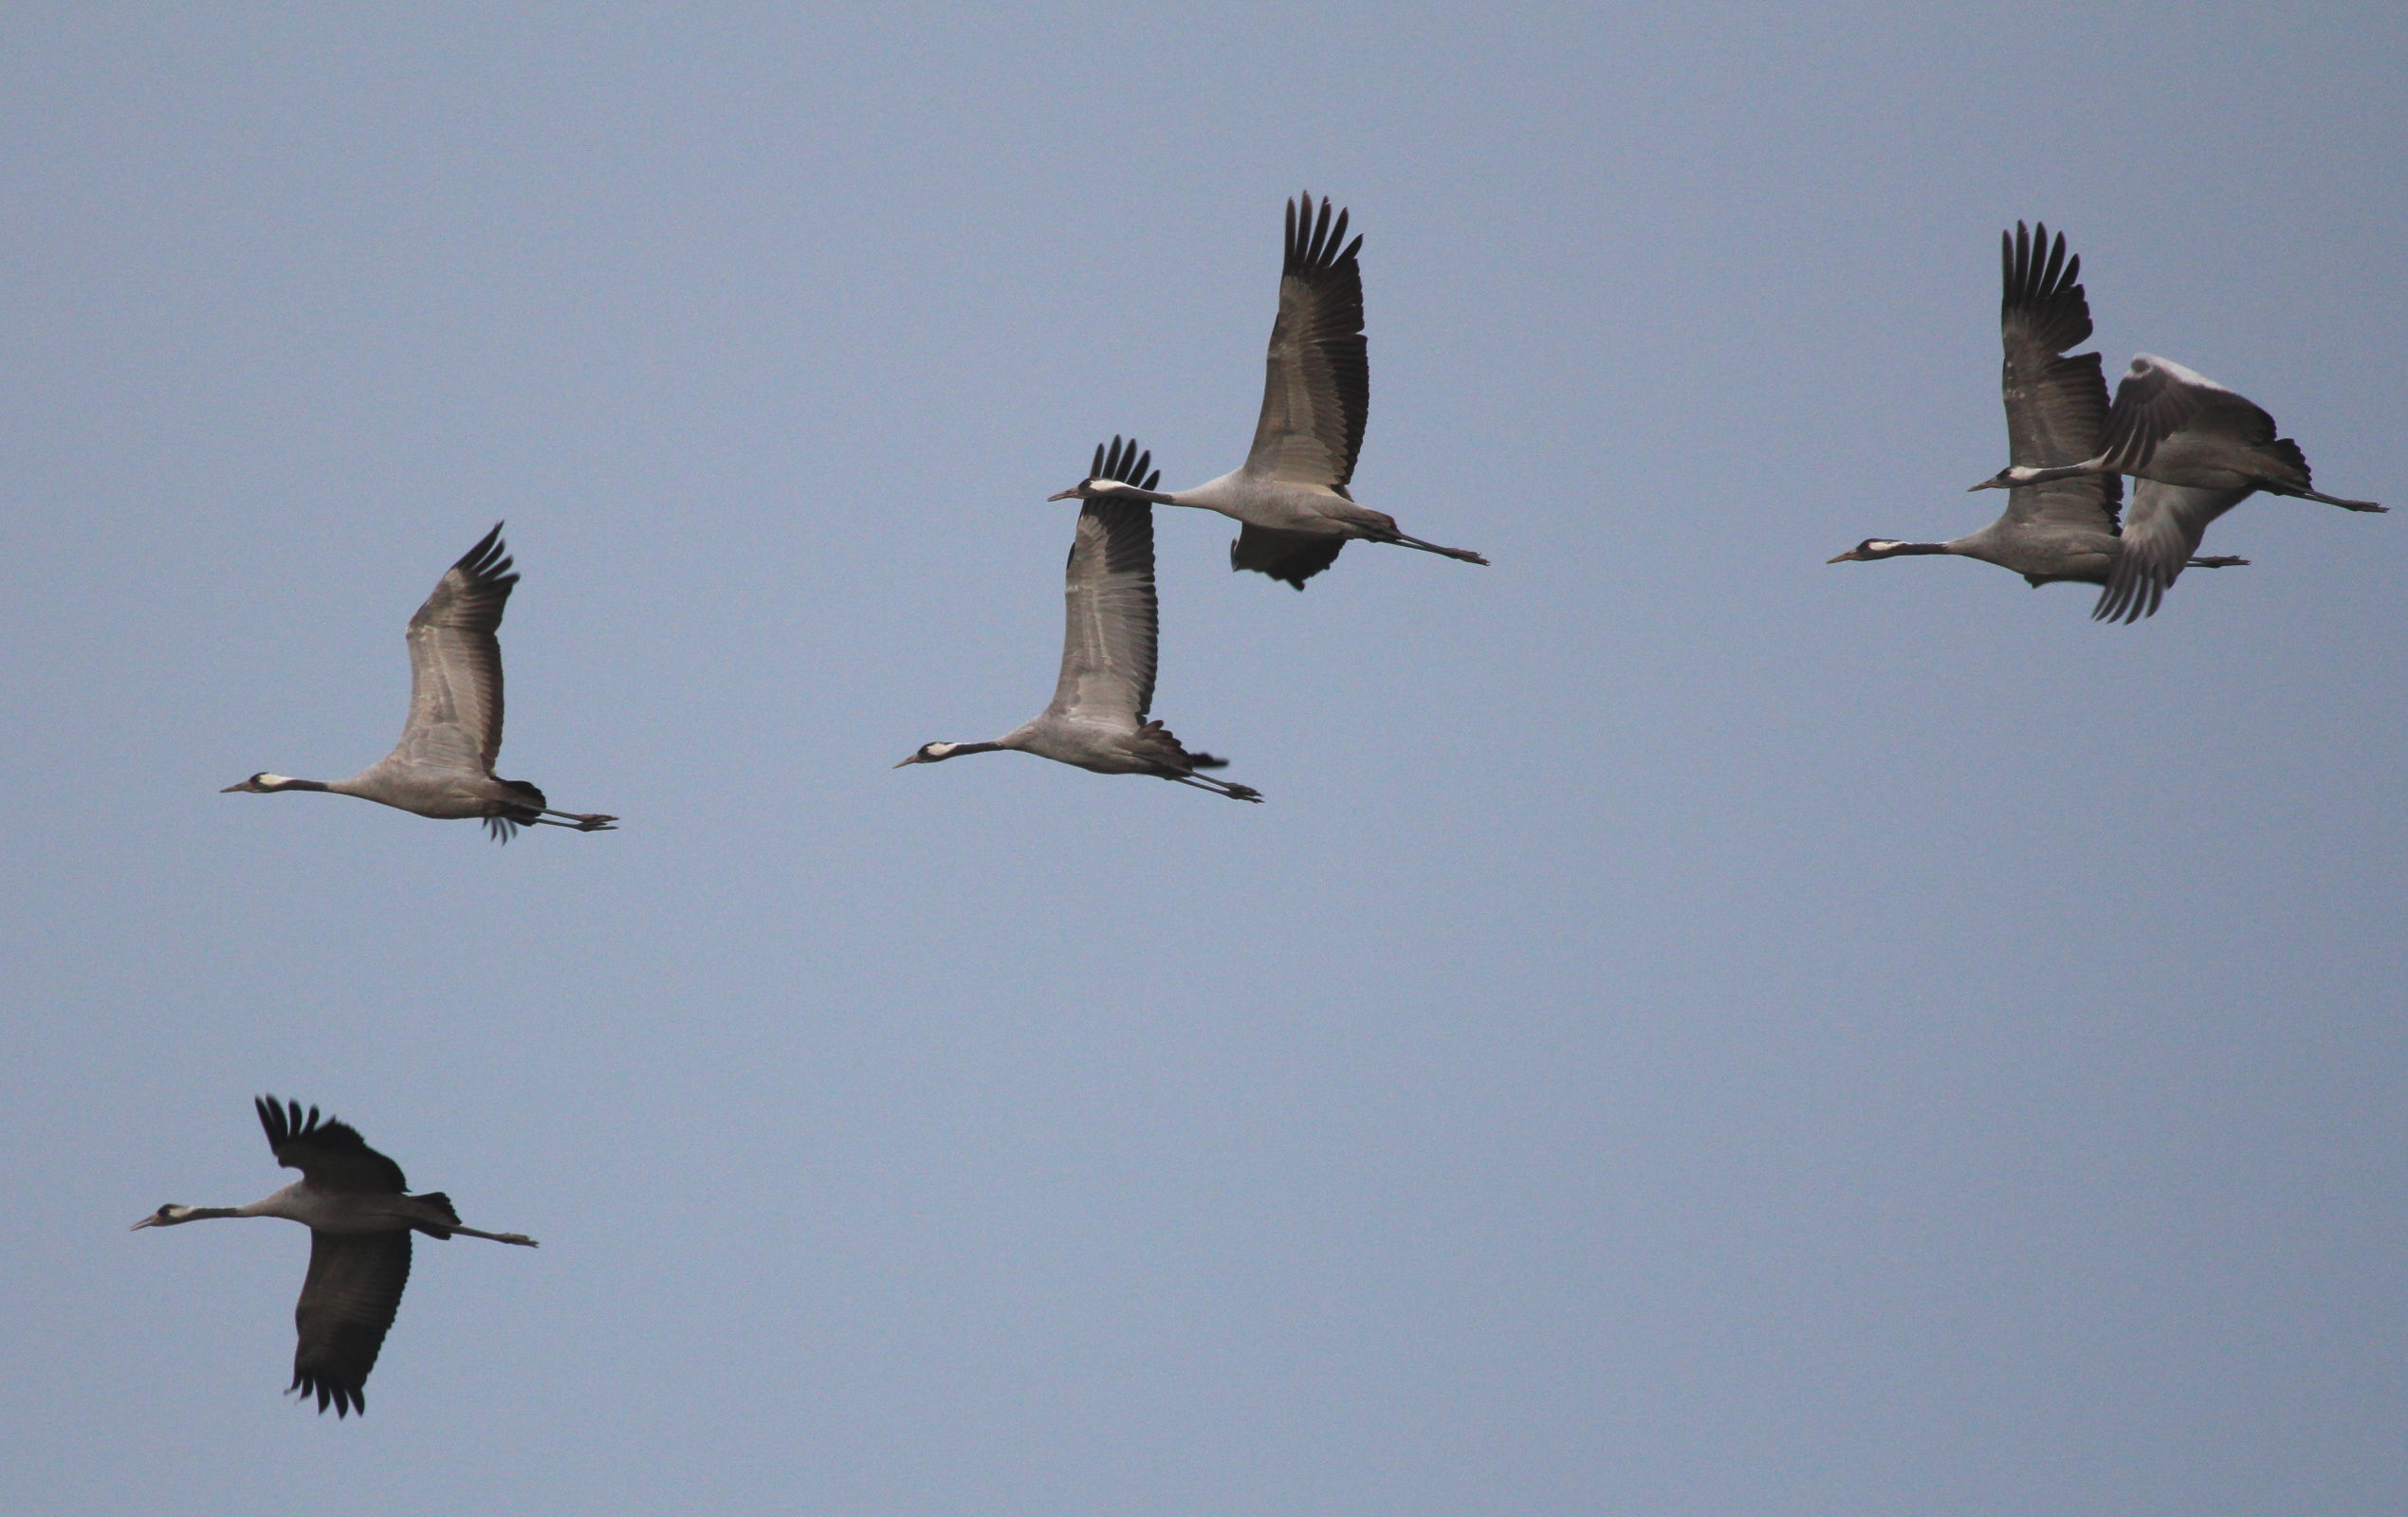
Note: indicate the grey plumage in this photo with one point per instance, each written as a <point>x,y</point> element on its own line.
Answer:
<point>356,1204</point>
<point>1292,492</point>
<point>2196,450</point>
<point>2067,528</point>
<point>1098,718</point>
<point>443,765</point>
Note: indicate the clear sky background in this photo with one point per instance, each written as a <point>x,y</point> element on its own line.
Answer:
<point>1693,1031</point>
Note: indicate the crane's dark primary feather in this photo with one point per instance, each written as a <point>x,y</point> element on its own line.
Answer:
<point>2043,289</point>
<point>327,1152</point>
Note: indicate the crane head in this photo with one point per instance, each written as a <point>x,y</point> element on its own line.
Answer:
<point>1101,488</point>
<point>1870,549</point>
<point>931,752</point>
<point>262,783</point>
<point>2006,478</point>
<point>167,1216</point>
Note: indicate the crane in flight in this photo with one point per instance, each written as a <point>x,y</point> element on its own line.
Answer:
<point>1291,493</point>
<point>359,1215</point>
<point>1097,720</point>
<point>443,766</point>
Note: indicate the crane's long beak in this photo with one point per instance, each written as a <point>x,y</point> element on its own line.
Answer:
<point>1071,494</point>
<point>1844,558</point>
<point>915,759</point>
<point>233,788</point>
<point>147,1221</point>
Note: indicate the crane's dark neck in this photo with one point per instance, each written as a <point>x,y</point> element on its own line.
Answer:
<point>1903,550</point>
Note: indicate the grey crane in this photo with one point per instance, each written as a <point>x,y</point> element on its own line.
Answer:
<point>2204,449</point>
<point>359,1215</point>
<point>2066,529</point>
<point>1291,493</point>
<point>1097,720</point>
<point>443,766</point>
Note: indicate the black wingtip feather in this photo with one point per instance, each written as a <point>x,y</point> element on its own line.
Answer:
<point>1313,241</point>
<point>488,562</point>
<point>1126,462</point>
<point>2042,286</point>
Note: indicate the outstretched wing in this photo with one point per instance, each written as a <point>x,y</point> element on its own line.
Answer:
<point>347,1305</point>
<point>2161,533</point>
<point>327,1152</point>
<point>2056,406</point>
<point>1107,592</point>
<point>2157,397</point>
<point>455,662</point>
<point>1316,387</point>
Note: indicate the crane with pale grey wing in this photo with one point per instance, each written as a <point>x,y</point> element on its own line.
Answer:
<point>2196,449</point>
<point>1097,720</point>
<point>359,1215</point>
<point>443,766</point>
<point>1292,491</point>
<point>2064,530</point>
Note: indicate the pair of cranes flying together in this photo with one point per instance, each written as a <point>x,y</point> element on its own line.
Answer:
<point>2193,449</point>
<point>1291,495</point>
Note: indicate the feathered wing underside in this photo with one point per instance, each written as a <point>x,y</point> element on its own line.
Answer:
<point>1291,557</point>
<point>1316,387</point>
<point>2056,406</point>
<point>347,1306</point>
<point>1107,594</point>
<point>327,1152</point>
<point>2155,399</point>
<point>2161,533</point>
<point>455,662</point>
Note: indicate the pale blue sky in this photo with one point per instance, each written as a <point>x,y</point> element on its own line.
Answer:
<point>1693,1031</point>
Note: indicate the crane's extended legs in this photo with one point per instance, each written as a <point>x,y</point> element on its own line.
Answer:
<point>2219,561</point>
<point>519,1238</point>
<point>1467,555</point>
<point>2335,500</point>
<point>580,821</point>
<point>1219,787</point>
